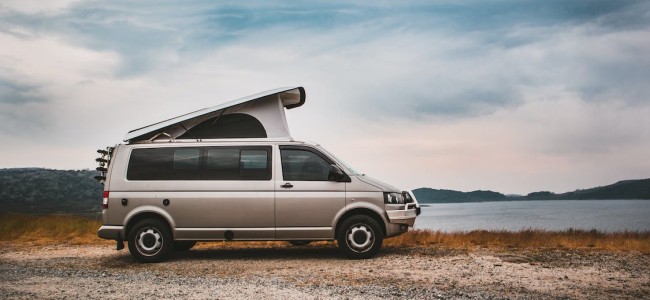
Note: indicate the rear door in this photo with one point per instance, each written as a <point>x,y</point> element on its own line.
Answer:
<point>306,203</point>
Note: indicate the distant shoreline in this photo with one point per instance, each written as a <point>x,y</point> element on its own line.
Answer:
<point>638,189</point>
<point>428,204</point>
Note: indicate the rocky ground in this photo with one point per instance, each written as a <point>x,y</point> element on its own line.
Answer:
<point>224,271</point>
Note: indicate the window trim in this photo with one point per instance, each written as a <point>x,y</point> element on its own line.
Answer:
<point>310,149</point>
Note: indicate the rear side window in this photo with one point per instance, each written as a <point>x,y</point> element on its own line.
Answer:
<point>186,159</point>
<point>200,163</point>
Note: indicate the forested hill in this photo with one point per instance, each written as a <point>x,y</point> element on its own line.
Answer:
<point>36,191</point>
<point>626,189</point>
<point>429,195</point>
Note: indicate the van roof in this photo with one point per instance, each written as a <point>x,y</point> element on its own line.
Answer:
<point>189,142</point>
<point>256,116</point>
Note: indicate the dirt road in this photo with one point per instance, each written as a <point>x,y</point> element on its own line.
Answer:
<point>319,272</point>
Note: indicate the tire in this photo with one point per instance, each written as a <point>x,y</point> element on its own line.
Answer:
<point>299,243</point>
<point>183,245</point>
<point>150,241</point>
<point>359,237</point>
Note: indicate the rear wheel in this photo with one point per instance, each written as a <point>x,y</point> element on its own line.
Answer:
<point>359,237</point>
<point>150,241</point>
<point>183,245</point>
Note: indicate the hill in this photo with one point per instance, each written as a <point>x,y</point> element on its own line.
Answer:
<point>429,195</point>
<point>626,189</point>
<point>41,191</point>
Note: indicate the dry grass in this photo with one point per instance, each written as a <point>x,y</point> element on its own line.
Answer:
<point>529,239</point>
<point>63,229</point>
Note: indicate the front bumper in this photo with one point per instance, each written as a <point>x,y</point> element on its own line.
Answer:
<point>111,232</point>
<point>406,216</point>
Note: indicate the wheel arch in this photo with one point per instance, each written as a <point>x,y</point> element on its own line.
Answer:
<point>137,217</point>
<point>361,211</point>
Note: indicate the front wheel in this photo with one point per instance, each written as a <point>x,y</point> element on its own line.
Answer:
<point>150,241</point>
<point>359,237</point>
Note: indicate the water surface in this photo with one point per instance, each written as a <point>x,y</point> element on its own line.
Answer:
<point>603,215</point>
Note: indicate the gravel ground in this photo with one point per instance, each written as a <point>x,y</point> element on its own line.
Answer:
<point>220,271</point>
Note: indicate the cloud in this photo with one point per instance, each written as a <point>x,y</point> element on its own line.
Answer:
<point>35,6</point>
<point>17,93</point>
<point>449,58</point>
<point>38,80</point>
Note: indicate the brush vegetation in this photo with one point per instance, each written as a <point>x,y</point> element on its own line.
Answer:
<point>60,229</point>
<point>529,239</point>
<point>66,229</point>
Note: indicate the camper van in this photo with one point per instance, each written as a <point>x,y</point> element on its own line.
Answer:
<point>233,173</point>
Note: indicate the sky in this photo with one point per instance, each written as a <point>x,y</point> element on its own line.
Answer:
<point>510,96</point>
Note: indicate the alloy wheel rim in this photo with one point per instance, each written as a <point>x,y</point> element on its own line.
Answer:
<point>360,238</point>
<point>149,241</point>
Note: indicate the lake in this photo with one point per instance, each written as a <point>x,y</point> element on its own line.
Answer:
<point>603,215</point>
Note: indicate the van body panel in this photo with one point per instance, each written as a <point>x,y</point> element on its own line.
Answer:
<point>134,201</point>
<point>304,233</point>
<point>219,234</point>
<point>364,197</point>
<point>220,209</point>
<point>357,185</point>
<point>381,185</point>
<point>309,208</point>
<point>149,209</point>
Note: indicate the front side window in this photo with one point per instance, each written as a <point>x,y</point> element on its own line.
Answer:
<point>304,165</point>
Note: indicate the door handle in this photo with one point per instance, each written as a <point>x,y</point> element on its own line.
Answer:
<point>287,185</point>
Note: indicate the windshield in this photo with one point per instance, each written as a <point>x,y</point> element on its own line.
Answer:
<point>346,165</point>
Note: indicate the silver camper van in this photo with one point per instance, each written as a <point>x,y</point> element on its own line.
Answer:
<point>232,172</point>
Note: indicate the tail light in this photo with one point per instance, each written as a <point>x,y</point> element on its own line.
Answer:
<point>105,200</point>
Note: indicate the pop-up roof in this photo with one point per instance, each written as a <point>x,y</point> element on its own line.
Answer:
<point>256,116</point>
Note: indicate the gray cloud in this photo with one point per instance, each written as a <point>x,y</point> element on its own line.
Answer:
<point>18,93</point>
<point>23,108</point>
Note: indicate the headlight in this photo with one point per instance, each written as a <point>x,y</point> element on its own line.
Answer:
<point>393,198</point>
<point>407,197</point>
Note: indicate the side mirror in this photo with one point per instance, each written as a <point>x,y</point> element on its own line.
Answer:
<point>336,174</point>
